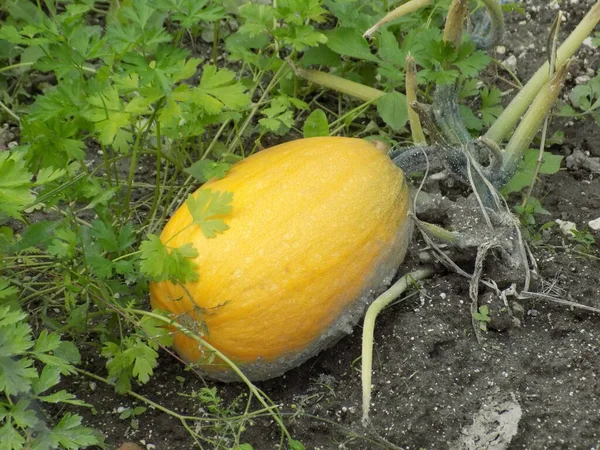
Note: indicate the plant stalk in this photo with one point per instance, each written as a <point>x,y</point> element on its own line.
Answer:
<point>532,120</point>
<point>552,44</point>
<point>369,327</point>
<point>513,112</point>
<point>339,84</point>
<point>411,96</point>
<point>454,22</point>
<point>496,31</point>
<point>400,11</point>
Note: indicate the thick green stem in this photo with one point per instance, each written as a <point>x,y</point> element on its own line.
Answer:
<point>497,21</point>
<point>339,84</point>
<point>440,233</point>
<point>411,96</point>
<point>454,22</point>
<point>532,121</point>
<point>400,11</point>
<point>513,112</point>
<point>369,327</point>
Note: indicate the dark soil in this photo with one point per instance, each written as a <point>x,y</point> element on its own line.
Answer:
<point>432,378</point>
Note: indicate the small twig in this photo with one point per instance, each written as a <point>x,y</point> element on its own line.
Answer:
<point>527,294</point>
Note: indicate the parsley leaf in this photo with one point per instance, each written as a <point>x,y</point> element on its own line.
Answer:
<point>205,170</point>
<point>162,263</point>
<point>207,209</point>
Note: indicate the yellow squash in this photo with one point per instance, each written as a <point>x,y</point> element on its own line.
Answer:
<point>317,227</point>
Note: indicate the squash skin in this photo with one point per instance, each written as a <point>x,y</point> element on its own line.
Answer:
<point>317,227</point>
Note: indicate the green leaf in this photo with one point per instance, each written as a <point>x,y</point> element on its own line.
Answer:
<point>161,263</point>
<point>15,338</point>
<point>71,435</point>
<point>471,63</point>
<point>389,49</point>
<point>61,396</point>
<point>145,359</point>
<point>320,55</point>
<point>349,42</point>
<point>316,124</point>
<point>296,445</point>
<point>156,331</point>
<point>49,377</point>
<point>491,104</point>
<point>7,292</point>
<point>101,267</point>
<point>23,416</point>
<point>37,233</point>
<point>524,176</point>
<point>105,236</point>
<point>16,375</point>
<point>393,110</point>
<point>205,170</point>
<point>208,208</point>
<point>68,351</point>
<point>46,342</point>
<point>107,113</point>
<point>218,90</point>
<point>11,438</point>
<point>15,184</point>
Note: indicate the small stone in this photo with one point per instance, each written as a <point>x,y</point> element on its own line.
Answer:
<point>501,49</point>
<point>518,311</point>
<point>511,63</point>
<point>566,227</point>
<point>595,224</point>
<point>582,79</point>
<point>424,256</point>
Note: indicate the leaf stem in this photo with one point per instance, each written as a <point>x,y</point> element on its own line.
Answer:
<point>9,112</point>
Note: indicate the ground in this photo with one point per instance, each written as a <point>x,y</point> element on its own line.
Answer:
<point>435,386</point>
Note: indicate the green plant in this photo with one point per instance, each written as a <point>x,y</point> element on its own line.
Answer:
<point>120,108</point>
<point>583,239</point>
<point>30,373</point>
<point>482,316</point>
<point>133,413</point>
<point>585,100</point>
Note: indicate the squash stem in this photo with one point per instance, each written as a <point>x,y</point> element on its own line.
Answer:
<point>400,11</point>
<point>439,233</point>
<point>513,112</point>
<point>533,119</point>
<point>339,84</point>
<point>454,22</point>
<point>411,96</point>
<point>497,20</point>
<point>369,327</point>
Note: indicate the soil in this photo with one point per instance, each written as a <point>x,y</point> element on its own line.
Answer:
<point>532,383</point>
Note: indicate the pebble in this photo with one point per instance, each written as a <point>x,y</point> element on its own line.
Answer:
<point>595,224</point>
<point>582,79</point>
<point>511,63</point>
<point>566,227</point>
